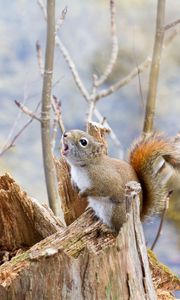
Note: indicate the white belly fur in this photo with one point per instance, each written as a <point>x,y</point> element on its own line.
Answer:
<point>102,207</point>
<point>80,177</point>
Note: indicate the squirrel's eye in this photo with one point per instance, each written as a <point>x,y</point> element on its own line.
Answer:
<point>83,142</point>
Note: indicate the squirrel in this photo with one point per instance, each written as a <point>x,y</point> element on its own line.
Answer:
<point>102,179</point>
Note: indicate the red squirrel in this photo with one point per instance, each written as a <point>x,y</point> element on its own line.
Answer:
<point>102,179</point>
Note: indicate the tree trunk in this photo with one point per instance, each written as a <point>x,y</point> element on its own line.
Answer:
<point>82,261</point>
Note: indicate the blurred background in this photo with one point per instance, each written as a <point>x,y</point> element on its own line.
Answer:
<point>86,34</point>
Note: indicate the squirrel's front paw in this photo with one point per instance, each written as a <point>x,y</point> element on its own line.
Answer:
<point>83,193</point>
<point>74,185</point>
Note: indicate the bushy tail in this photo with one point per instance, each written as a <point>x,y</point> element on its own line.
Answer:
<point>155,160</point>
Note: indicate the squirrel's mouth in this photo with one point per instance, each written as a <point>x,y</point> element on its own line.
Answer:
<point>65,149</point>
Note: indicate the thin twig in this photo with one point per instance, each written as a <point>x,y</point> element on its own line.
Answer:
<point>81,86</point>
<point>49,168</point>
<point>43,8</point>
<point>155,67</point>
<point>138,74</point>
<point>92,106</point>
<point>92,101</point>
<point>115,87</point>
<point>11,144</point>
<point>103,121</point>
<point>39,57</point>
<point>114,51</point>
<point>27,111</point>
<point>172,24</point>
<point>54,134</point>
<point>171,36</point>
<point>56,105</point>
<point>161,223</point>
<point>73,69</point>
<point>97,82</point>
<point>61,19</point>
<point>111,133</point>
<point>67,58</point>
<point>139,69</point>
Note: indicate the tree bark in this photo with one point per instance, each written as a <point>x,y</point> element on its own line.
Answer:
<point>49,168</point>
<point>83,261</point>
<point>155,67</point>
<point>40,259</point>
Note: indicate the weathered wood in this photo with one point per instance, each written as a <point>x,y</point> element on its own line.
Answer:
<point>163,279</point>
<point>23,222</point>
<point>83,261</point>
<point>99,132</point>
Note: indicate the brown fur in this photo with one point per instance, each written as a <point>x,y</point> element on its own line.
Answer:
<point>108,176</point>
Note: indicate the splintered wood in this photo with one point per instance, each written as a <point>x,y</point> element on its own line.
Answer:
<point>42,259</point>
<point>23,222</point>
<point>79,257</point>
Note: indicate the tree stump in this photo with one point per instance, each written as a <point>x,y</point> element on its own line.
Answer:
<point>43,260</point>
<point>82,261</point>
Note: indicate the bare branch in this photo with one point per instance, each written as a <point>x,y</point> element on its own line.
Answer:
<point>27,111</point>
<point>43,8</point>
<point>49,168</point>
<point>40,63</point>
<point>67,58</point>
<point>103,121</point>
<point>92,101</point>
<point>61,19</point>
<point>92,106</point>
<point>171,36</point>
<point>54,134</point>
<point>113,88</point>
<point>161,223</point>
<point>11,143</point>
<point>82,88</point>
<point>112,134</point>
<point>73,68</point>
<point>114,51</point>
<point>138,75</point>
<point>155,66</point>
<point>172,24</point>
<point>39,58</point>
<point>56,105</point>
<point>139,69</point>
<point>79,82</point>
